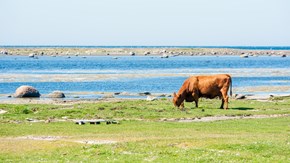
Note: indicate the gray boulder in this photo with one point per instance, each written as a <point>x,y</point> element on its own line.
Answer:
<point>56,94</point>
<point>117,93</point>
<point>240,96</point>
<point>146,53</point>
<point>144,93</point>
<point>26,91</point>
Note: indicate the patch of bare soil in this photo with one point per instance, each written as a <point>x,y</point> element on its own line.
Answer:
<point>49,138</point>
<point>53,138</point>
<point>96,142</point>
<point>2,111</point>
<point>58,101</point>
<point>220,118</point>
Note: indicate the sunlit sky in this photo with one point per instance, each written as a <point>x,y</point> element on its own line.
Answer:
<point>145,22</point>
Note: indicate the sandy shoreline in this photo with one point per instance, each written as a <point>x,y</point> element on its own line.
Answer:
<point>111,97</point>
<point>59,51</point>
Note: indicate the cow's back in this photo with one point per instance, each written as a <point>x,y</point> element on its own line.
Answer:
<point>210,86</point>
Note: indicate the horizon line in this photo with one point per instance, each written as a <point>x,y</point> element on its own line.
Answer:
<point>145,45</point>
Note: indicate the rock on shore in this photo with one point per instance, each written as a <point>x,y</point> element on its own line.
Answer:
<point>26,91</point>
<point>56,94</point>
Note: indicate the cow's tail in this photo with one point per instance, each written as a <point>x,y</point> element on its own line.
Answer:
<point>231,93</point>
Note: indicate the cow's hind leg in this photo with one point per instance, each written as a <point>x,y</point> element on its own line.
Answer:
<point>225,98</point>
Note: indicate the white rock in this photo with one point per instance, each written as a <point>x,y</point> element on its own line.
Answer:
<point>151,98</point>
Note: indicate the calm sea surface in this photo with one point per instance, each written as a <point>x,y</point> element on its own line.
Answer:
<point>138,74</point>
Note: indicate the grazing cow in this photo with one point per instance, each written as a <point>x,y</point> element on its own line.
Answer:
<point>204,86</point>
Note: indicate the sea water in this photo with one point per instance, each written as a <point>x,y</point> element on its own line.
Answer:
<point>263,74</point>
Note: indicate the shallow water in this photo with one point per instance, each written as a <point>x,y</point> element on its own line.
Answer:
<point>139,74</point>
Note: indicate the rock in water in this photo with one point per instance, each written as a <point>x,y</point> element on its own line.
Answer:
<point>56,94</point>
<point>31,55</point>
<point>151,98</point>
<point>144,94</point>
<point>240,96</point>
<point>244,56</point>
<point>165,56</point>
<point>26,91</point>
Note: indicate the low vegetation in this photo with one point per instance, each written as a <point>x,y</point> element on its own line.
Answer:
<point>143,135</point>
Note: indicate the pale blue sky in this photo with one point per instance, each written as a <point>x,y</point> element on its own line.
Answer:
<point>145,22</point>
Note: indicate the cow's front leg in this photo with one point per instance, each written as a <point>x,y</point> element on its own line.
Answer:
<point>223,101</point>
<point>181,106</point>
<point>196,101</point>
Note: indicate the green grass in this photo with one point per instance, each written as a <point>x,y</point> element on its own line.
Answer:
<point>141,109</point>
<point>142,138</point>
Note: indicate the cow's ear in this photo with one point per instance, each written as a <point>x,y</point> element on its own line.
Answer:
<point>174,94</point>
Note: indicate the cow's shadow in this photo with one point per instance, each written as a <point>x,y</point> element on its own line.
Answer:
<point>242,108</point>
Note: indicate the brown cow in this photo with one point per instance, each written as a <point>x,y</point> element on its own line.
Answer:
<point>204,86</point>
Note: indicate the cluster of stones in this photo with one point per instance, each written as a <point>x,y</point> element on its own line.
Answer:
<point>26,91</point>
<point>30,92</point>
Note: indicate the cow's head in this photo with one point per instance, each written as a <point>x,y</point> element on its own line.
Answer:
<point>177,100</point>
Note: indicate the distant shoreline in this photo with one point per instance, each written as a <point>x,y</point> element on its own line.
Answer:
<point>152,47</point>
<point>166,51</point>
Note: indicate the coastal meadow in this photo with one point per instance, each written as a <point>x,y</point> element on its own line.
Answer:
<point>147,131</point>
